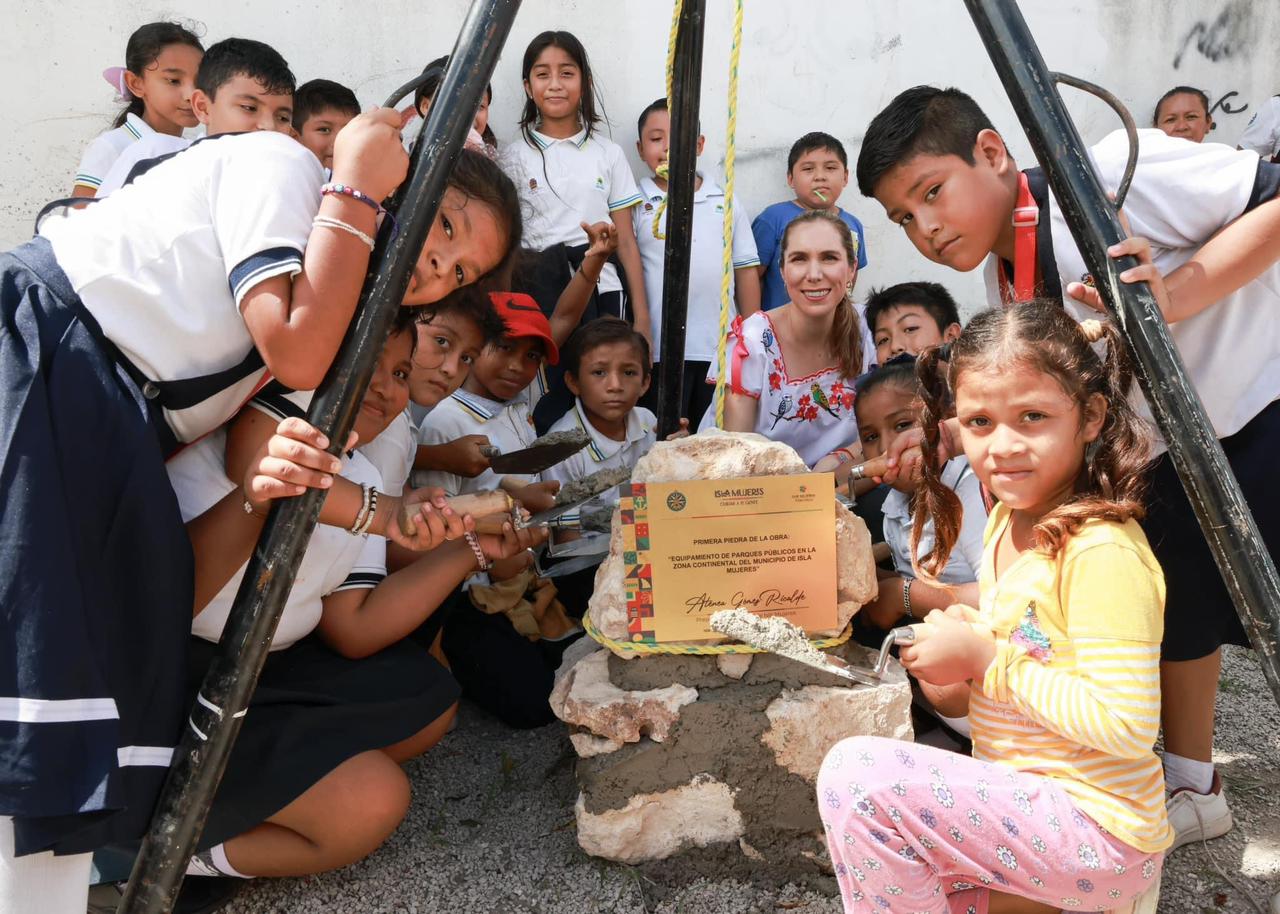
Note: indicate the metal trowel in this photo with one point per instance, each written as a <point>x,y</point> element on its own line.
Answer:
<point>545,452</point>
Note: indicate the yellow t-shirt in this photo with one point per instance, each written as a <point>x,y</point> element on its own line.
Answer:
<point>1074,691</point>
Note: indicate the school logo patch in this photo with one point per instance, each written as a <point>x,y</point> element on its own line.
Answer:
<point>648,207</point>
<point>720,208</point>
<point>533,184</point>
<point>599,183</point>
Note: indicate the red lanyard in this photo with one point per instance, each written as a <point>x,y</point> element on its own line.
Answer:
<point>1026,216</point>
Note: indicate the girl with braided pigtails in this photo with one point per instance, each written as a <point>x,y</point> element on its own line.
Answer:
<point>1062,803</point>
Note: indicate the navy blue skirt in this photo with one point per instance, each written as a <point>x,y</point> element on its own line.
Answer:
<point>1199,616</point>
<point>96,577</point>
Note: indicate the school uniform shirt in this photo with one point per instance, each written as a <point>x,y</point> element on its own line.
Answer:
<point>508,426</point>
<point>566,182</point>
<point>103,150</point>
<point>1182,194</point>
<point>148,147</point>
<point>335,560</point>
<point>966,555</point>
<point>603,452</point>
<point>165,262</point>
<point>392,452</point>
<point>1073,692</point>
<point>702,323</point>
<point>1262,135</point>
<point>768,228</point>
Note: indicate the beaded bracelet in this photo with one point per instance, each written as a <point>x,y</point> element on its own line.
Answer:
<point>346,190</point>
<point>363,514</point>
<point>328,222</point>
<point>474,542</point>
<point>373,512</point>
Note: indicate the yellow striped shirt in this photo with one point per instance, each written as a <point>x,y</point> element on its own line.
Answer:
<point>1074,691</point>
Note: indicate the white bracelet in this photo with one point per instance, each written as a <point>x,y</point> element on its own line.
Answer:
<point>373,512</point>
<point>329,222</point>
<point>363,513</point>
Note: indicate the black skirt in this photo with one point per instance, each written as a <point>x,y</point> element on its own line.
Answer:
<point>95,577</point>
<point>312,710</point>
<point>1199,616</point>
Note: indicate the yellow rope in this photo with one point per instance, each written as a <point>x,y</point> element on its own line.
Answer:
<point>688,647</point>
<point>730,154</point>
<point>730,157</point>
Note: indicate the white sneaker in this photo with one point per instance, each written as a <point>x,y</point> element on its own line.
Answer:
<point>1198,816</point>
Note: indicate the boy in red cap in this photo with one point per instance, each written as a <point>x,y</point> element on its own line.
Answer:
<point>493,401</point>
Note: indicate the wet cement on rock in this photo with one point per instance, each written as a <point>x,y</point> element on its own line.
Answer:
<point>589,486</point>
<point>700,672</point>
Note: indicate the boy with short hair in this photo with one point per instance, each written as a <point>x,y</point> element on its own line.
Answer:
<point>606,364</point>
<point>322,107</point>
<point>910,317</point>
<point>702,333</point>
<point>492,400</point>
<point>818,172</point>
<point>242,86</point>
<point>936,164</point>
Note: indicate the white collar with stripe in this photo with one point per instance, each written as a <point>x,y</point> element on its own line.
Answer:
<point>136,126</point>
<point>602,447</point>
<point>650,190</point>
<point>579,139</point>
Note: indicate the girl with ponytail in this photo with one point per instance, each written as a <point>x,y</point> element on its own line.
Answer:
<point>1062,802</point>
<point>159,72</point>
<point>792,370</point>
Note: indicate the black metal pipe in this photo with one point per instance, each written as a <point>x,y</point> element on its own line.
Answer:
<point>686,89</point>
<point>202,754</point>
<point>1233,537</point>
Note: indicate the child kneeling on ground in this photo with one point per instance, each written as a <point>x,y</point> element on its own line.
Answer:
<point>1063,800</point>
<point>314,781</point>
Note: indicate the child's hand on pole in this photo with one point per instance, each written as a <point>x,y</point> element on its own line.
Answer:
<point>288,463</point>
<point>368,155</point>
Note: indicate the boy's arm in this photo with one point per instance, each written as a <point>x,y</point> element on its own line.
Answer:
<point>460,457</point>
<point>1228,261</point>
<point>629,256</point>
<point>297,322</point>
<point>746,289</point>
<point>602,241</point>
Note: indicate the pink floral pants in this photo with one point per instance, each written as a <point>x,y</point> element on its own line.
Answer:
<point>918,830</point>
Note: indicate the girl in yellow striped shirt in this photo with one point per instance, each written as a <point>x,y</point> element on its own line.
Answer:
<point>1062,804</point>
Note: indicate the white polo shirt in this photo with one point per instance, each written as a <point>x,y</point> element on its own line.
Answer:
<point>702,322</point>
<point>334,561</point>
<point>603,452</point>
<point>104,149</point>
<point>393,452</point>
<point>966,555</point>
<point>1182,194</point>
<point>164,263</point>
<point>563,183</point>
<point>508,426</point>
<point>1262,135</point>
<point>147,147</point>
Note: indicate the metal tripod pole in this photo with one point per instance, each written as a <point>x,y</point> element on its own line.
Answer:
<point>201,756</point>
<point>1233,537</point>
<point>686,89</point>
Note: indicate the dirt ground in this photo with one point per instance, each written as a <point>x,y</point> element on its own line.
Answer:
<point>492,830</point>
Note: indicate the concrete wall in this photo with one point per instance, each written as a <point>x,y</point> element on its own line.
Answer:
<point>806,65</point>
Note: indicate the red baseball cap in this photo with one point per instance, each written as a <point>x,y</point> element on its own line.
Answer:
<point>524,318</point>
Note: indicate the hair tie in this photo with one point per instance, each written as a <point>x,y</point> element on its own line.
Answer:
<point>1092,330</point>
<point>115,76</point>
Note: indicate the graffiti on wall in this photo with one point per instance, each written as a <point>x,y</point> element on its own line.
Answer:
<point>1225,36</point>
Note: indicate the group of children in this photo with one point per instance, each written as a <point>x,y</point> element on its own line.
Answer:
<point>181,319</point>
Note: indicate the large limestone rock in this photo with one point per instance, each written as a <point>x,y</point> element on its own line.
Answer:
<point>726,455</point>
<point>735,767</point>
<point>655,826</point>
